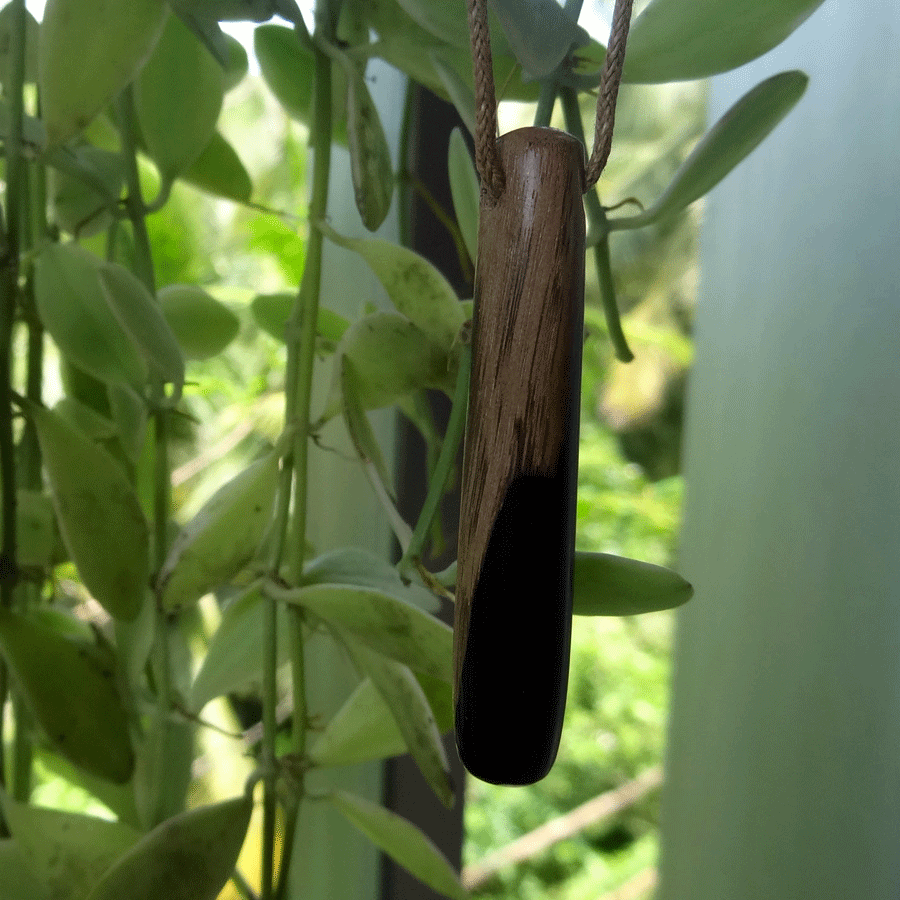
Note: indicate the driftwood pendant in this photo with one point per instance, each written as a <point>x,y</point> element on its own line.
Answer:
<point>520,466</point>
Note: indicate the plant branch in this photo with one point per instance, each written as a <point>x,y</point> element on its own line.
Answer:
<point>597,222</point>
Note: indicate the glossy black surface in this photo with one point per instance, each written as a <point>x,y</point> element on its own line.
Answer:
<point>512,688</point>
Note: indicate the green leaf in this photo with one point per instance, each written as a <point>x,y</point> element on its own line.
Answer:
<point>67,851</point>
<point>72,307</point>
<point>458,90</point>
<point>37,538</point>
<point>233,660</point>
<point>412,713</point>
<point>238,63</point>
<point>178,98</point>
<point>364,729</point>
<point>218,170</point>
<point>272,311</point>
<point>402,841</point>
<point>678,40</point>
<point>32,31</point>
<point>448,21</point>
<point>71,694</point>
<point>85,418</point>
<point>734,137</point>
<point>221,538</point>
<point>415,287</point>
<point>188,857</point>
<point>89,50</point>
<point>203,326</point>
<point>539,32</point>
<point>358,426</point>
<point>129,412</point>
<point>465,190</point>
<point>607,585</point>
<point>370,158</point>
<point>79,207</point>
<point>384,622</point>
<point>287,67</point>
<point>97,509</point>
<point>391,358</point>
<point>17,881</point>
<point>357,566</point>
<point>140,315</point>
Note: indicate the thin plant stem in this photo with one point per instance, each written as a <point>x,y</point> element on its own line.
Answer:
<point>9,284</point>
<point>301,345</point>
<point>438,481</point>
<point>598,224</point>
<point>162,490</point>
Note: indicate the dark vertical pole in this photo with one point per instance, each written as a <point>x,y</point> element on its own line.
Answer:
<point>431,121</point>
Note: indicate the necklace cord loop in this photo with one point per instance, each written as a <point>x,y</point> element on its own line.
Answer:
<point>487,158</point>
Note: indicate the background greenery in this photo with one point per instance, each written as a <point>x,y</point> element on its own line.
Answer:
<point>616,712</point>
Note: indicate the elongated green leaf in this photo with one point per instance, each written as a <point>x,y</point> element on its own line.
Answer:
<point>203,326</point>
<point>38,540</point>
<point>387,624</point>
<point>70,691</point>
<point>458,89</point>
<point>370,157</point>
<point>80,208</point>
<point>188,857</point>
<point>129,412</point>
<point>448,20</point>
<point>233,660</point>
<point>32,30</point>
<point>734,137</point>
<point>391,358</point>
<point>17,881</point>
<point>413,284</point>
<point>359,427</point>
<point>73,309</point>
<point>272,311</point>
<point>412,713</point>
<point>68,852</point>
<point>360,567</point>
<point>287,67</point>
<point>402,841</point>
<point>218,170</point>
<point>222,538</point>
<point>364,729</point>
<point>539,32</point>
<point>678,40</point>
<point>607,585</point>
<point>178,98</point>
<point>141,317</point>
<point>464,190</point>
<point>88,52</point>
<point>97,509</point>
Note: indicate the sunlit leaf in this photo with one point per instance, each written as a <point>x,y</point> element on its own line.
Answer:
<point>387,624</point>
<point>218,170</point>
<point>607,585</point>
<point>402,841</point>
<point>734,137</point>
<point>464,190</point>
<point>677,40</point>
<point>412,713</point>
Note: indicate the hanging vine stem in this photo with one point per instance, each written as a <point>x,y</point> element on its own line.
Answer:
<point>301,337</point>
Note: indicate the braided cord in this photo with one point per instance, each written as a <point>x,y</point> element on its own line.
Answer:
<point>610,79</point>
<point>487,159</point>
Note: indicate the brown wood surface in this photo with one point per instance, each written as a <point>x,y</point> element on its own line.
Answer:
<point>528,327</point>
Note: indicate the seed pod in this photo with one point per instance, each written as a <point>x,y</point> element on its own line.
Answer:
<point>514,584</point>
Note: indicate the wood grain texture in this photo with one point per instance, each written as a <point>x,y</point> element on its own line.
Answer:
<point>514,580</point>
